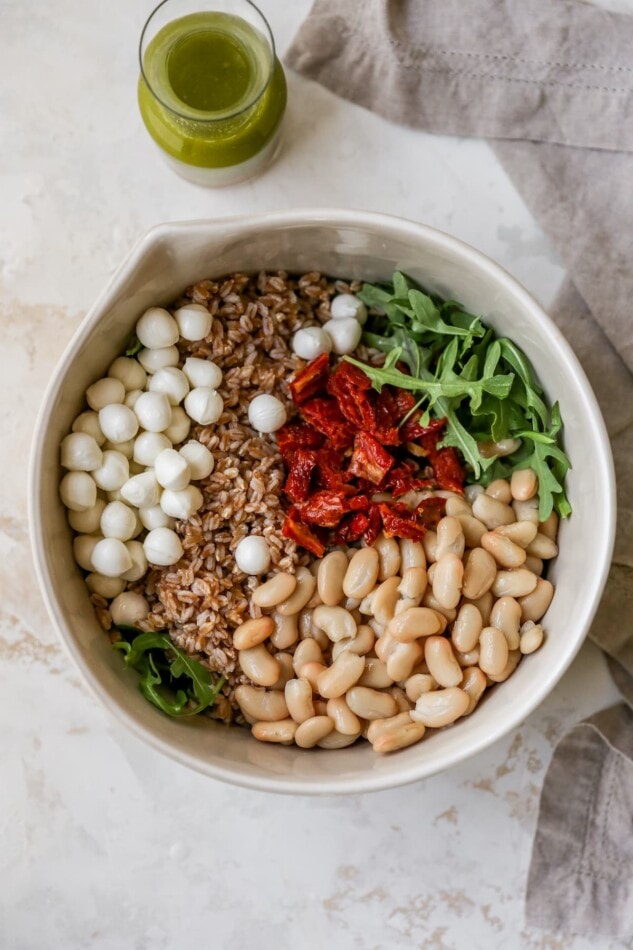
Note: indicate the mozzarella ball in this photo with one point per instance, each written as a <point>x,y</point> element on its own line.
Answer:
<point>105,586</point>
<point>131,397</point>
<point>129,372</point>
<point>157,329</point>
<point>104,392</point>
<point>142,491</point>
<point>345,335</point>
<point>172,470</point>
<point>155,517</point>
<point>89,422</point>
<point>80,452</point>
<point>118,521</point>
<point>200,459</point>
<point>111,558</point>
<point>83,546</point>
<point>153,360</point>
<point>201,372</point>
<point>148,445</point>
<point>181,504</point>
<point>178,429</point>
<point>346,306</point>
<point>139,561</point>
<point>311,342</point>
<point>118,423</point>
<point>113,472</point>
<point>170,381</point>
<point>252,555</point>
<point>78,491</point>
<point>204,405</point>
<point>88,521</point>
<point>162,547</point>
<point>153,411</point>
<point>266,413</point>
<point>194,321</point>
<point>125,448</point>
<point>128,608</point>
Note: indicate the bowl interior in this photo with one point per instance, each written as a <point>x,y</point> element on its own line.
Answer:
<point>347,245</point>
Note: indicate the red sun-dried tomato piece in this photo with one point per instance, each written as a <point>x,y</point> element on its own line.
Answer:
<point>304,536</point>
<point>370,460</point>
<point>297,435</point>
<point>375,524</point>
<point>412,431</point>
<point>390,407</point>
<point>349,385</point>
<point>449,473</point>
<point>403,479</point>
<point>351,528</point>
<point>329,471</point>
<point>430,510</point>
<point>398,522</point>
<point>303,464</point>
<point>325,416</point>
<point>325,508</point>
<point>310,380</point>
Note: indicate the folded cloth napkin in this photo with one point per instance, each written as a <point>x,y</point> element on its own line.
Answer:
<point>550,83</point>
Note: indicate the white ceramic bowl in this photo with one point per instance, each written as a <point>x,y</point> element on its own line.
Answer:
<point>347,244</point>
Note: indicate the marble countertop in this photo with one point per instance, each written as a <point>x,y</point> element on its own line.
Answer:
<point>106,844</point>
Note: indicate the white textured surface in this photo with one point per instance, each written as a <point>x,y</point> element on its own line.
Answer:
<point>105,844</point>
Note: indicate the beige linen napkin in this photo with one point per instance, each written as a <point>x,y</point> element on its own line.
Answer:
<point>551,83</point>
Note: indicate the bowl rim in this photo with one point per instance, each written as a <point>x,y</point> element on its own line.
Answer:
<point>305,217</point>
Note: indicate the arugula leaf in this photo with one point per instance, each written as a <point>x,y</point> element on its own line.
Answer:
<point>134,346</point>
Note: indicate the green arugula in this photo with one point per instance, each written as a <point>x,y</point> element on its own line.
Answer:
<point>170,679</point>
<point>483,385</point>
<point>134,346</point>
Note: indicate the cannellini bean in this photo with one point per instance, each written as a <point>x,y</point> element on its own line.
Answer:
<point>252,632</point>
<point>483,605</point>
<point>298,693</point>
<point>258,664</point>
<point>506,616</point>
<point>413,583</point>
<point>369,703</point>
<point>498,449</point>
<point>450,538</point>
<point>111,558</point>
<point>531,639</point>
<point>286,630</point>
<point>419,683</point>
<point>281,731</point>
<point>429,543</point>
<point>480,571</point>
<point>441,661</point>
<point>388,557</point>
<point>337,622</point>
<point>80,452</point>
<point>441,707</point>
<point>107,587</point>
<point>520,532</point>
<point>361,644</point>
<point>493,651</point>
<point>129,608</point>
<point>375,674</point>
<point>466,629</point>
<point>274,591</point>
<point>385,598</point>
<point>384,646</point>
<point>524,484</point>
<point>306,585</point>
<point>470,658</point>
<point>261,704</point>
<point>527,510</point>
<point>89,520</point>
<point>311,673</point>
<point>88,422</point>
<point>472,529</point>
<point>113,472</point>
<point>345,721</point>
<point>304,622</point>
<point>492,512</point>
<point>542,547</point>
<point>535,603</point>
<point>505,552</point>
<point>387,735</point>
<point>513,661</point>
<point>471,492</point>
<point>516,583</point>
<point>139,562</point>
<point>411,555</point>
<point>312,731</point>
<point>330,577</point>
<point>163,547</point>
<point>403,703</point>
<point>402,659</point>
<point>447,582</point>
<point>457,505</point>
<point>336,740</point>
<point>474,684</point>
<point>414,623</point>
<point>181,504</point>
<point>104,392</point>
<point>500,489</point>
<point>430,601</point>
<point>287,671</point>
<point>534,564</point>
<point>362,573</point>
<point>346,670</point>
<point>549,527</point>
<point>307,651</point>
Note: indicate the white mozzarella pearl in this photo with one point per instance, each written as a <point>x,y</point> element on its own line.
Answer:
<point>204,405</point>
<point>153,360</point>
<point>131,397</point>
<point>181,504</point>
<point>80,452</point>
<point>129,372</point>
<point>104,392</point>
<point>201,372</point>
<point>139,561</point>
<point>128,608</point>
<point>172,470</point>
<point>148,445</point>
<point>113,472</point>
<point>266,413</point>
<point>78,491</point>
<point>162,547</point>
<point>153,411</point>
<point>142,491</point>
<point>347,305</point>
<point>118,423</point>
<point>200,459</point>
<point>83,546</point>
<point>178,429</point>
<point>118,521</point>
<point>252,555</point>
<point>111,558</point>
<point>125,448</point>
<point>155,517</point>
<point>170,381</point>
<point>311,342</point>
<point>107,587</point>
<point>345,335</point>
<point>157,329</point>
<point>88,521</point>
<point>89,422</point>
<point>194,321</point>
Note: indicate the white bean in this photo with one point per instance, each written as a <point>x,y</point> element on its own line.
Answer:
<point>441,707</point>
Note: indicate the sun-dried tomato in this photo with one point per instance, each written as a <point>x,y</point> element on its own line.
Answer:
<point>375,525</point>
<point>352,528</point>
<point>404,479</point>
<point>390,407</point>
<point>295,530</point>
<point>430,510</point>
<point>350,387</point>
<point>449,473</point>
<point>325,508</point>
<point>310,380</point>
<point>325,416</point>
<point>412,431</point>
<point>303,464</point>
<point>370,460</point>
<point>330,472</point>
<point>297,436</point>
<point>399,522</point>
